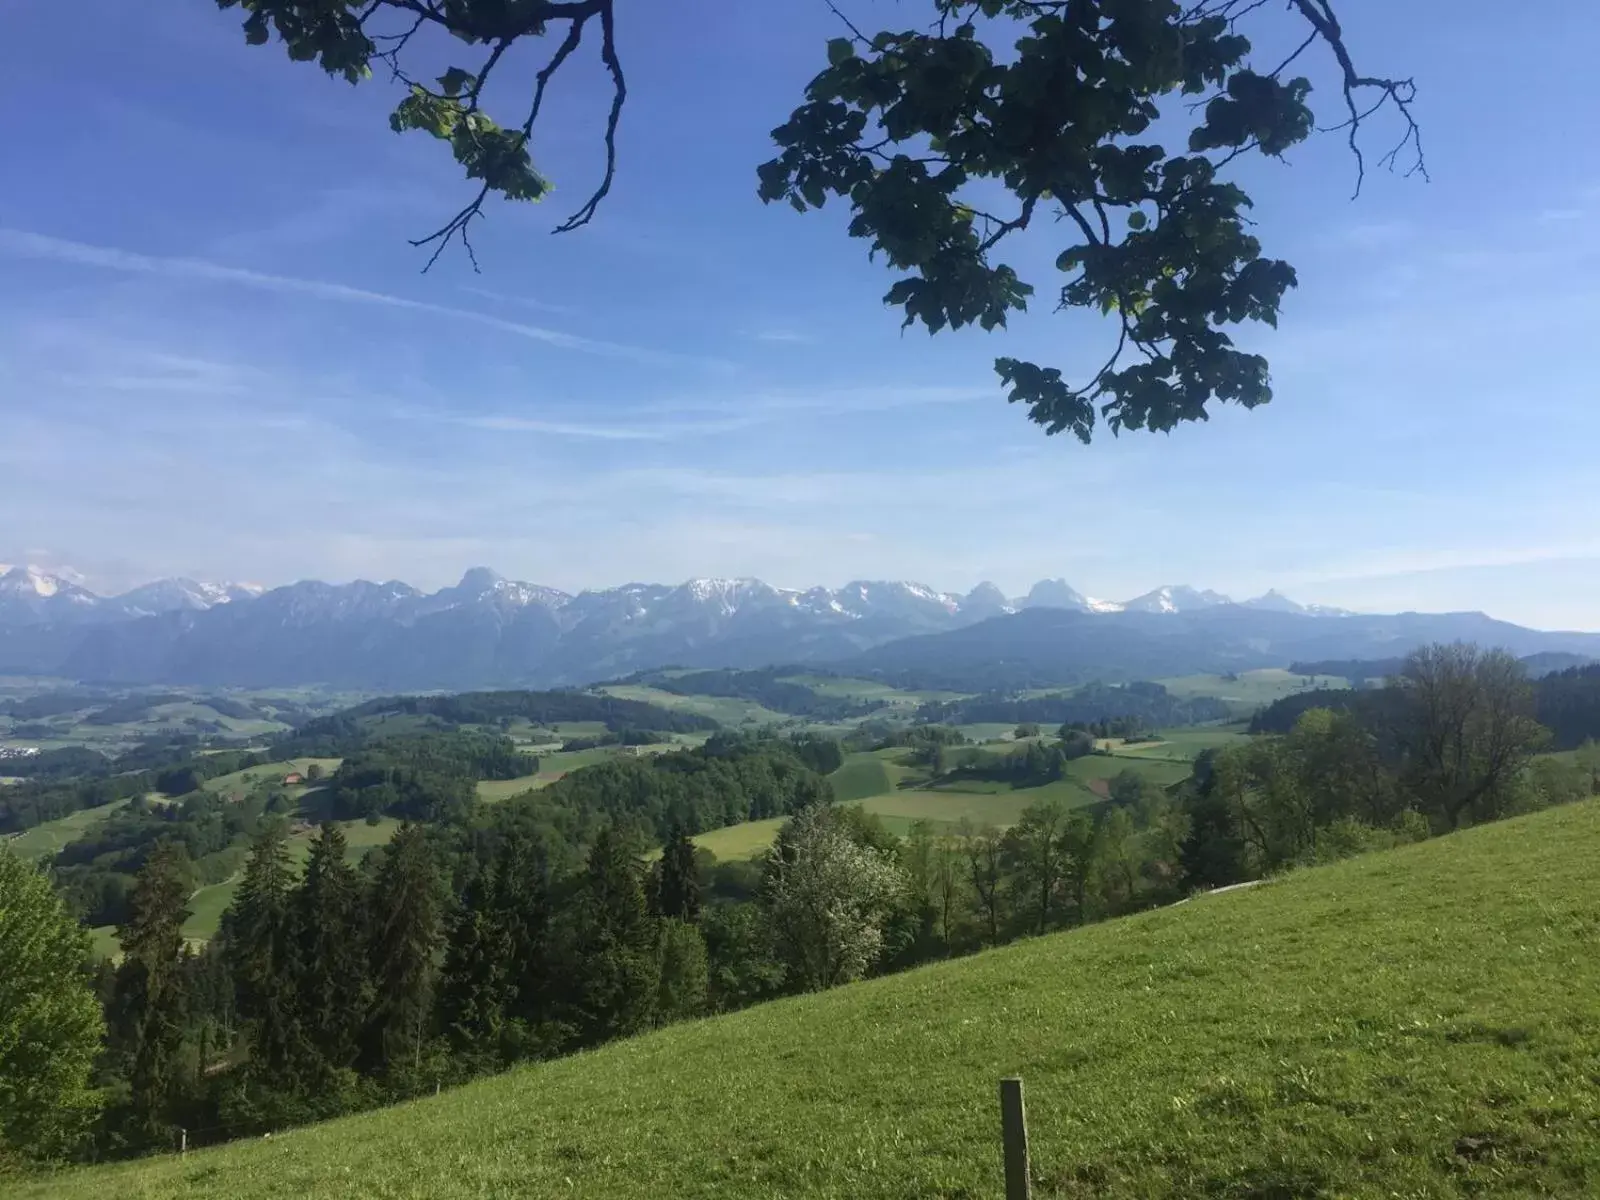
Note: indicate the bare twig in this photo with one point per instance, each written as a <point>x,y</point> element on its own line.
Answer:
<point>619,93</point>
<point>455,227</point>
<point>1402,92</point>
<point>855,34</point>
<point>568,45</point>
<point>1001,228</point>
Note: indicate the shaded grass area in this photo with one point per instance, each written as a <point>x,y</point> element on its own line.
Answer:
<point>862,775</point>
<point>1389,1026</point>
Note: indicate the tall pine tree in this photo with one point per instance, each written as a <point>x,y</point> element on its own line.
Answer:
<point>405,909</point>
<point>259,932</point>
<point>148,1008</point>
<point>523,911</point>
<point>678,879</point>
<point>330,922</point>
<point>475,984</point>
<point>614,970</point>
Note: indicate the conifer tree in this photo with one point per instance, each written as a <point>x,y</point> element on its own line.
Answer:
<point>405,909</point>
<point>614,968</point>
<point>475,984</point>
<point>259,932</point>
<point>149,1000</point>
<point>521,902</point>
<point>678,880</point>
<point>334,992</point>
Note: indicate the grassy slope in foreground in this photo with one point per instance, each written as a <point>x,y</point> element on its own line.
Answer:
<point>1424,1022</point>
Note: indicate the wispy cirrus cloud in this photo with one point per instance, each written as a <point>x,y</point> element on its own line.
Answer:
<point>24,244</point>
<point>524,301</point>
<point>791,337</point>
<point>627,429</point>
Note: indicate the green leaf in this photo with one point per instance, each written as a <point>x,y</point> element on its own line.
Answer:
<point>840,50</point>
<point>1137,220</point>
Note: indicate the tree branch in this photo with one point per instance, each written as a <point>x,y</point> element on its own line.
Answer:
<point>1401,91</point>
<point>619,93</point>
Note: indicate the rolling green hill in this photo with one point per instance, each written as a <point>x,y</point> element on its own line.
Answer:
<point>1417,1023</point>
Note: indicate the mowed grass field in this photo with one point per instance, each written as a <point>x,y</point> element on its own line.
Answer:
<point>902,795</point>
<point>730,710</point>
<point>1249,690</point>
<point>243,781</point>
<point>1417,1023</point>
<point>734,842</point>
<point>47,840</point>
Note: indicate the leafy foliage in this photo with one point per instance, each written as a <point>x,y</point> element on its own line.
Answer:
<point>828,896</point>
<point>50,1022</point>
<point>909,127</point>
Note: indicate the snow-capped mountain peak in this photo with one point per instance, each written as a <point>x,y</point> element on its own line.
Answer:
<point>32,581</point>
<point>1175,598</point>
<point>182,595</point>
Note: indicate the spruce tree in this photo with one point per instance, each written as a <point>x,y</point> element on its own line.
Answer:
<point>521,903</point>
<point>334,991</point>
<point>613,965</point>
<point>149,1001</point>
<point>405,910</point>
<point>475,984</point>
<point>259,932</point>
<point>678,879</point>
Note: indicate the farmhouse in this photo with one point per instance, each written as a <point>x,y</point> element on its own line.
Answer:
<point>292,778</point>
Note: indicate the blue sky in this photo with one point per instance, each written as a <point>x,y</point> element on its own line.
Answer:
<point>218,356</point>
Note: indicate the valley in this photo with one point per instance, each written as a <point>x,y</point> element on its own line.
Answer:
<point>655,849</point>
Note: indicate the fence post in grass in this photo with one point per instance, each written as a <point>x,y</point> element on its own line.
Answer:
<point>1014,1130</point>
<point>183,1141</point>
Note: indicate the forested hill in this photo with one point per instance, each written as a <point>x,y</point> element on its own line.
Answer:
<point>63,782</point>
<point>540,708</point>
<point>1150,703</point>
<point>1567,703</point>
<point>767,686</point>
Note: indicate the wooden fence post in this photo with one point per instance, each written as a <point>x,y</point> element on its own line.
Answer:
<point>1014,1130</point>
<point>183,1141</point>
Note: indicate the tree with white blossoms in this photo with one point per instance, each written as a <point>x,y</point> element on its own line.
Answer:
<point>828,897</point>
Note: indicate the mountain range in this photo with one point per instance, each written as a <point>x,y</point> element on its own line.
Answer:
<point>488,631</point>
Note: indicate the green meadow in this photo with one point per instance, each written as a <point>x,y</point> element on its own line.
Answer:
<point>1417,1023</point>
<point>48,839</point>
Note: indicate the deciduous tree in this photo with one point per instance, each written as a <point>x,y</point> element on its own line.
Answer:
<point>50,1022</point>
<point>1469,730</point>
<point>828,897</point>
